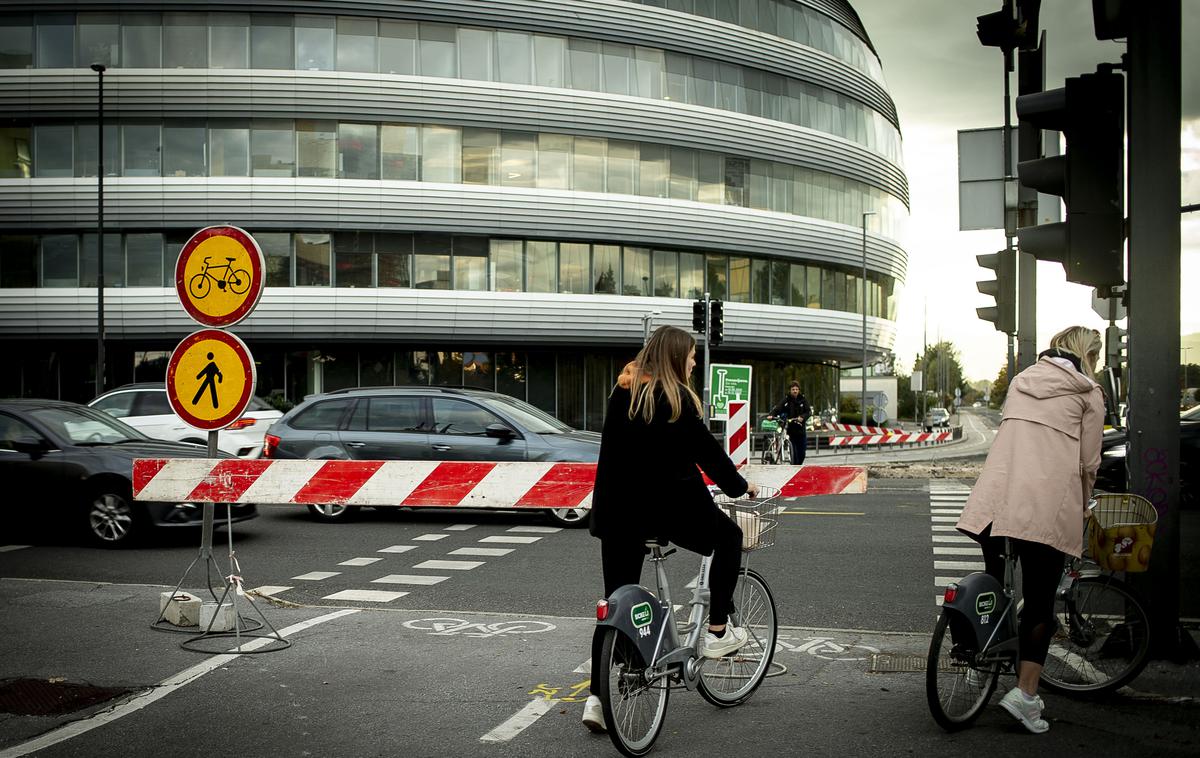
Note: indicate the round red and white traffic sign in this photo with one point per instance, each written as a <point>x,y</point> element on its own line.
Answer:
<point>210,379</point>
<point>219,275</point>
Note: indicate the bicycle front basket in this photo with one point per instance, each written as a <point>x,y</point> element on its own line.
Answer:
<point>768,425</point>
<point>755,517</point>
<point>1121,532</point>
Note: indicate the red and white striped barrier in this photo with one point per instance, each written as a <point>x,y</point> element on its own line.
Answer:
<point>737,432</point>
<point>890,439</point>
<point>423,483</point>
<point>857,429</point>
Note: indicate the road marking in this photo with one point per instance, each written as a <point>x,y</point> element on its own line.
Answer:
<point>959,565</point>
<point>430,537</point>
<point>10,548</point>
<point>584,668</point>
<point>316,576</point>
<point>536,529</point>
<point>397,549</point>
<point>449,565</point>
<point>159,691</point>
<point>941,581</point>
<point>956,550</point>
<point>946,503</point>
<point>945,519</point>
<point>482,551</point>
<point>366,596</point>
<point>513,540</point>
<point>269,589</point>
<point>943,528</point>
<point>521,720</point>
<point>360,561</point>
<point>424,579</point>
<point>954,538</point>
<point>459,527</point>
<point>951,511</point>
<point>822,513</point>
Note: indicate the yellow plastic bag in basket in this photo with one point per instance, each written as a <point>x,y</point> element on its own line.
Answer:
<point>1121,532</point>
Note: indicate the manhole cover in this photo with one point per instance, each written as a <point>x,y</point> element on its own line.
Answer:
<point>895,663</point>
<point>41,697</point>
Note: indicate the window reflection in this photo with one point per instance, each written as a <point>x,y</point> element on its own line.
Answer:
<point>312,260</point>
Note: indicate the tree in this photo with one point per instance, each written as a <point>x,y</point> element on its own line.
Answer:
<point>1000,387</point>
<point>943,373</point>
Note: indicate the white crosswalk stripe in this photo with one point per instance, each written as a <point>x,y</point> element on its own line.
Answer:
<point>946,501</point>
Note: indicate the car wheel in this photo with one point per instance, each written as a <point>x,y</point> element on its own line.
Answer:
<point>570,518</point>
<point>112,518</point>
<point>331,513</point>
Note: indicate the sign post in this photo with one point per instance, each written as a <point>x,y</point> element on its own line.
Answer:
<point>730,395</point>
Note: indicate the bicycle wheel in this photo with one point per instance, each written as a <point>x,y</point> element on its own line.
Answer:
<point>733,679</point>
<point>634,709</point>
<point>768,452</point>
<point>239,281</point>
<point>199,285</point>
<point>1102,640</point>
<point>956,691</point>
<point>785,450</point>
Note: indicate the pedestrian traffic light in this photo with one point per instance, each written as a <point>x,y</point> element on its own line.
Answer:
<point>698,316</point>
<point>1010,27</point>
<point>716,322</point>
<point>1090,177</point>
<point>1003,288</point>
<point>1116,347</point>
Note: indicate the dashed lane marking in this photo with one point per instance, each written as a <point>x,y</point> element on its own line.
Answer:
<point>449,565</point>
<point>521,720</point>
<point>360,561</point>
<point>316,576</point>
<point>510,540</point>
<point>397,549</point>
<point>459,527</point>
<point>938,550</point>
<point>422,579</point>
<point>536,529</point>
<point>366,596</point>
<point>482,551</point>
<point>270,589</point>
<point>430,537</point>
<point>954,538</point>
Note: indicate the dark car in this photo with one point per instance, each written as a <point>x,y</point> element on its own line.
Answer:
<point>426,423</point>
<point>1114,448</point>
<point>72,465</point>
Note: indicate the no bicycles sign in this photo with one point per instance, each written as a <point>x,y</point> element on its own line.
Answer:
<point>219,276</point>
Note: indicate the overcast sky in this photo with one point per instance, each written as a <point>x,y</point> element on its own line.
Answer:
<point>943,80</point>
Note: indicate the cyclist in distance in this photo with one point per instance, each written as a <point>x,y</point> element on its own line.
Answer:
<point>648,487</point>
<point>794,410</point>
<point>1034,489</point>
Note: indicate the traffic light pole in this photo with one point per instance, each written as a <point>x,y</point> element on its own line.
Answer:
<point>707,373</point>
<point>1031,77</point>
<point>1154,277</point>
<point>1010,226</point>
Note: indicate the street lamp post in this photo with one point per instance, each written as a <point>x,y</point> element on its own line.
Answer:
<point>1185,351</point>
<point>864,315</point>
<point>99,68</point>
<point>648,324</point>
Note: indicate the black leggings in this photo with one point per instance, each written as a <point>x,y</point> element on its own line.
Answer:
<point>1041,570</point>
<point>712,533</point>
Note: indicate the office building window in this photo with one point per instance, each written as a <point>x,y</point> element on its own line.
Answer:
<point>60,260</point>
<point>229,150</point>
<point>317,149</point>
<point>393,253</point>
<point>271,43</point>
<point>114,261</point>
<point>99,39</point>
<point>400,148</point>
<point>18,261</point>
<point>508,266</point>
<point>16,42</point>
<point>574,268</point>
<point>476,51</point>
<point>183,150</point>
<point>541,266</point>
<point>272,148</point>
<point>144,259</point>
<point>312,259</point>
<point>438,56</point>
<point>277,250</point>
<point>441,154</point>
<point>354,254</point>
<point>229,40</point>
<point>515,57</point>
<point>85,150</point>
<point>140,150</point>
<point>141,40</point>
<point>397,47</point>
<point>470,263</point>
<point>358,146</point>
<point>606,269</point>
<point>636,271</point>
<point>315,37</point>
<point>431,261</point>
<point>691,275</point>
<point>666,273</point>
<point>185,40</point>
<point>54,155</point>
<point>357,42</point>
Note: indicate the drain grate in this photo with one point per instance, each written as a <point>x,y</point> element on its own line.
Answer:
<point>896,663</point>
<point>42,697</point>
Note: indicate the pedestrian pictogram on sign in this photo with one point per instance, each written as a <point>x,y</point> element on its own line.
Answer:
<point>210,379</point>
<point>219,275</point>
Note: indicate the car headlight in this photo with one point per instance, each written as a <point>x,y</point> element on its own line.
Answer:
<point>1115,452</point>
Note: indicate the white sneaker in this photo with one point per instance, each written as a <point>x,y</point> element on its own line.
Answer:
<point>593,715</point>
<point>731,641</point>
<point>1026,710</point>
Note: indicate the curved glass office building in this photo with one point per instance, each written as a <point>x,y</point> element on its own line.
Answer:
<point>499,194</point>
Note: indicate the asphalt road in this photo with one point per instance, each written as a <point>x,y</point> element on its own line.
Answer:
<point>491,660</point>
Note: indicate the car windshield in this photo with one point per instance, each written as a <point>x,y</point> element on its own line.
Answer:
<point>532,419</point>
<point>84,426</point>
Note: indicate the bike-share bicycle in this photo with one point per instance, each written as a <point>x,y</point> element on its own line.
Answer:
<point>644,654</point>
<point>778,446</point>
<point>1102,634</point>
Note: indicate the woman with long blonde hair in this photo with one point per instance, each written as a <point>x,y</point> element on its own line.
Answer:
<point>1034,490</point>
<point>649,486</point>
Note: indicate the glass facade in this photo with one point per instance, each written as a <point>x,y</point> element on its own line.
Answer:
<point>329,43</point>
<point>448,154</point>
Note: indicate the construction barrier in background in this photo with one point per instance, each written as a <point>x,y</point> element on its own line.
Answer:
<point>423,483</point>
<point>857,429</point>
<point>899,438</point>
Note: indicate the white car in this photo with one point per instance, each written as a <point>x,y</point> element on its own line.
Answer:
<point>145,407</point>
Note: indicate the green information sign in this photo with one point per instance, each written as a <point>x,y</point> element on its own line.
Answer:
<point>727,382</point>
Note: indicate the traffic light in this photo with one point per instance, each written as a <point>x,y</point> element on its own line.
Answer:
<point>1003,288</point>
<point>1090,177</point>
<point>1116,347</point>
<point>716,322</point>
<point>1010,27</point>
<point>698,316</point>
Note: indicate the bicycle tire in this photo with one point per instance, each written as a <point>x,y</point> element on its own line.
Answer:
<point>785,451</point>
<point>956,695</point>
<point>768,453</point>
<point>199,285</point>
<point>1102,640</point>
<point>238,278</point>
<point>634,711</point>
<point>731,680</point>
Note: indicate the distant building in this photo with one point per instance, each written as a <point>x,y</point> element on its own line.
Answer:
<point>482,193</point>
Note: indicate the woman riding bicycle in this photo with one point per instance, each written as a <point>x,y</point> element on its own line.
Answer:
<point>648,485</point>
<point>1034,490</point>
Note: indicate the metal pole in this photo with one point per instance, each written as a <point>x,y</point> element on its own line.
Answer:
<point>707,329</point>
<point>864,314</point>
<point>1010,226</point>
<point>1154,277</point>
<point>1031,77</point>
<point>99,68</point>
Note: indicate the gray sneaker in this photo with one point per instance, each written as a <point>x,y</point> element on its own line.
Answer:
<point>593,715</point>
<point>1028,712</point>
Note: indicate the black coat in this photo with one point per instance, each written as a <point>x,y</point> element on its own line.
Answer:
<point>793,407</point>
<point>646,476</point>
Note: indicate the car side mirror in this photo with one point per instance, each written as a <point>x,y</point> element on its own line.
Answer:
<point>30,445</point>
<point>500,431</point>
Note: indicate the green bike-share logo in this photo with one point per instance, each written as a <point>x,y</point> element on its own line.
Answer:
<point>641,615</point>
<point>985,603</point>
